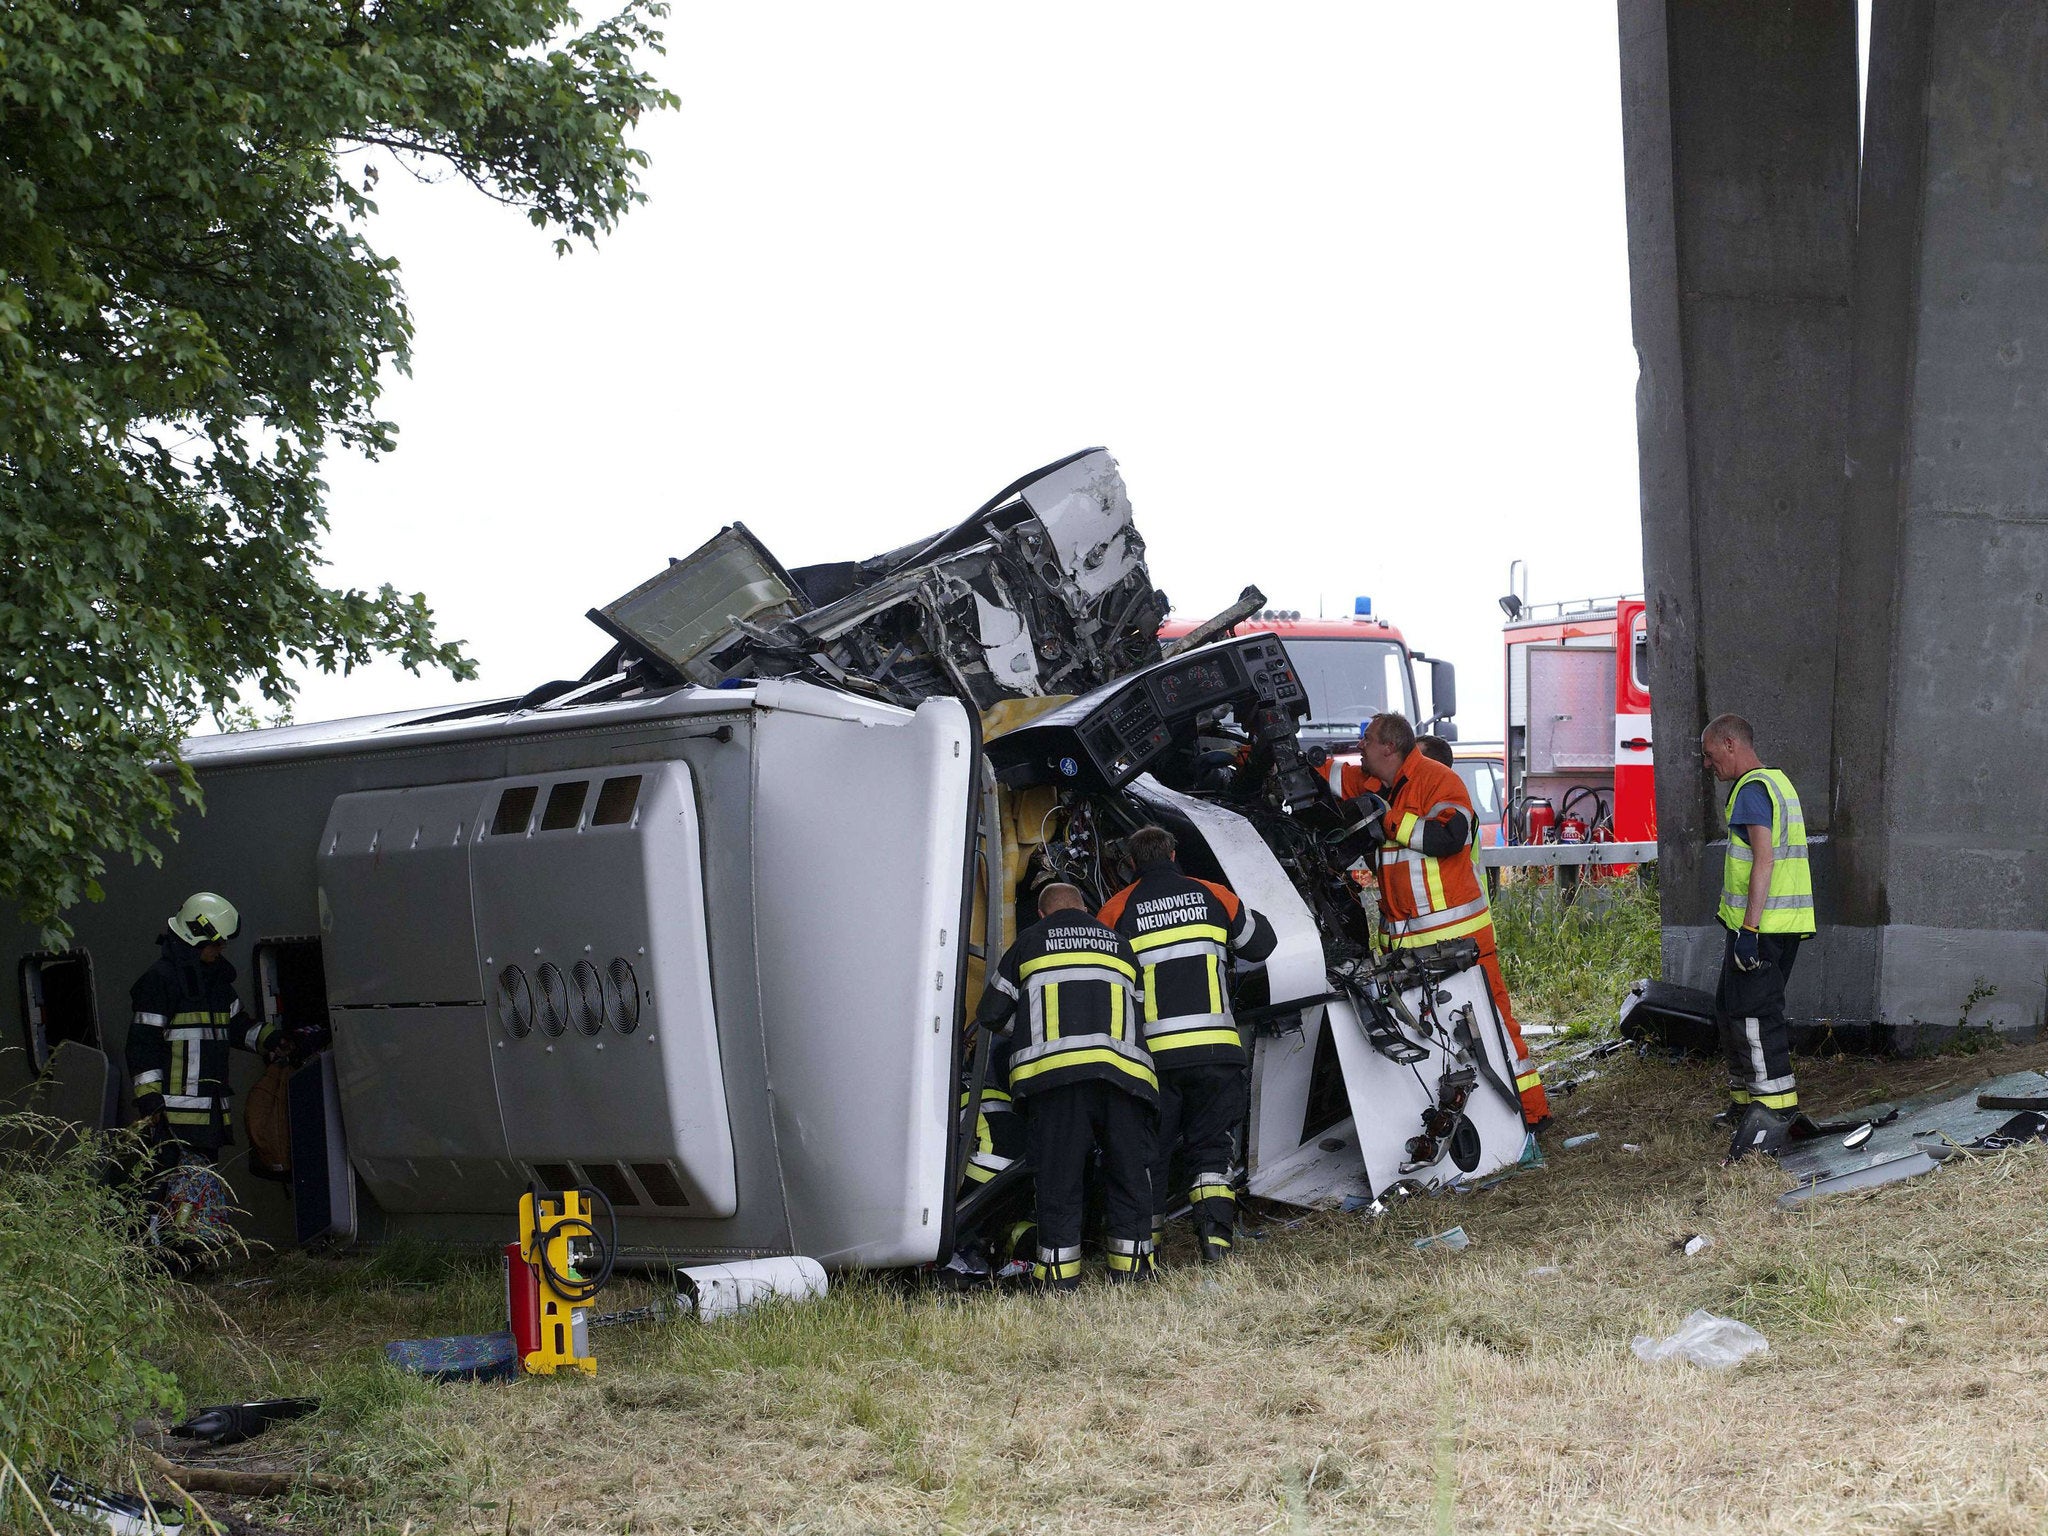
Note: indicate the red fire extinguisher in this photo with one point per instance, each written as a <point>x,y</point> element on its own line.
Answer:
<point>522,1302</point>
<point>1573,827</point>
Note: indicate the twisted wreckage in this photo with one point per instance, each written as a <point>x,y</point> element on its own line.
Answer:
<point>700,929</point>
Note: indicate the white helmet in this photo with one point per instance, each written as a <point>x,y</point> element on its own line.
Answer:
<point>206,919</point>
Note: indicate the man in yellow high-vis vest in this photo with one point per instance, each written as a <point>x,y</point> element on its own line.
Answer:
<point>1767,908</point>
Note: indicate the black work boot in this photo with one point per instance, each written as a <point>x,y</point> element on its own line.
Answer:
<point>1762,1131</point>
<point>1058,1269</point>
<point>1215,1238</point>
<point>1130,1259</point>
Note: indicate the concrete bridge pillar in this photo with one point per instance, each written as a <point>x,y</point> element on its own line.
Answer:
<point>1843,418</point>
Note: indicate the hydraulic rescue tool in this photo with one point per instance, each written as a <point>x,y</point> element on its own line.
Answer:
<point>552,1273</point>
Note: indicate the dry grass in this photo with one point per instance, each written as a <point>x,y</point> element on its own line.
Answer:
<point>1334,1379</point>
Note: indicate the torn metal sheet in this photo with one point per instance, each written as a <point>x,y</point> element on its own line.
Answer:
<point>1900,1165</point>
<point>1087,518</point>
<point>1043,590</point>
<point>1926,1131</point>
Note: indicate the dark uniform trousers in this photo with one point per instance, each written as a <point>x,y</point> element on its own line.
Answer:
<point>1202,1108</point>
<point>1749,1006</point>
<point>1062,1124</point>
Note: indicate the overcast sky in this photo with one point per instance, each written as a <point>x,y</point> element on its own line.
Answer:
<point>1343,288</point>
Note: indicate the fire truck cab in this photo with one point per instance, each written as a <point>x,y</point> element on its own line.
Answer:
<point>1354,667</point>
<point>1578,745</point>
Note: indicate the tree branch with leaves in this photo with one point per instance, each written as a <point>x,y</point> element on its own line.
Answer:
<point>192,317</point>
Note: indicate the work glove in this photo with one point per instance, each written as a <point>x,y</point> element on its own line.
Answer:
<point>1746,957</point>
<point>1374,810</point>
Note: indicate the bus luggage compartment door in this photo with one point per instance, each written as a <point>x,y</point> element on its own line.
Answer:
<point>590,920</point>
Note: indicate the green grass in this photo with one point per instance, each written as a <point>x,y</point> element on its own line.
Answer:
<point>1571,965</point>
<point>1333,1379</point>
<point>83,1307</point>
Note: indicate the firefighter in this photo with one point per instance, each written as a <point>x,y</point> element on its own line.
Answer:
<point>1420,814</point>
<point>1767,908</point>
<point>1080,1074</point>
<point>188,1016</point>
<point>1184,931</point>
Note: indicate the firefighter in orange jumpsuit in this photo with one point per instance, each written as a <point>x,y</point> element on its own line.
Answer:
<point>1431,890</point>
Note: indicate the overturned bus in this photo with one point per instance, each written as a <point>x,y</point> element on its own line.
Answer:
<point>701,929</point>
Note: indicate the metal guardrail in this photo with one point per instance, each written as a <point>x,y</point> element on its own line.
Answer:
<point>1554,855</point>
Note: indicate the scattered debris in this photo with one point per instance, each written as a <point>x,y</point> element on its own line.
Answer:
<point>1716,1343</point>
<point>2012,1101</point>
<point>1544,1271</point>
<point>1681,1020</point>
<point>1454,1239</point>
<point>1580,1141</point>
<point>192,1214</point>
<point>1894,1142</point>
<point>1631,1146</point>
<point>724,1290</point>
<point>232,1423</point>
<point>122,1513</point>
<point>1888,1169</point>
<point>1696,1245</point>
<point>2029,1125</point>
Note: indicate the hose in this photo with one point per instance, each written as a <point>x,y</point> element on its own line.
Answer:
<point>1571,798</point>
<point>570,1287</point>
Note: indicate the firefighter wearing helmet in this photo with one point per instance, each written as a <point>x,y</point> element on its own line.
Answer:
<point>187,1018</point>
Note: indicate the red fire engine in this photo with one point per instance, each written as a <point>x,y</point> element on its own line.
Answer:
<point>1579,757</point>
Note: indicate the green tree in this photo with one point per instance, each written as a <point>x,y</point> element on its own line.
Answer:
<point>191,316</point>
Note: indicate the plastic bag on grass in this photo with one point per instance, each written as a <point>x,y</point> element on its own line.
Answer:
<point>1717,1343</point>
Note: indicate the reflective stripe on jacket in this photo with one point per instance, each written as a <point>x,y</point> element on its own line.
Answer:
<point>1183,932</point>
<point>1074,981</point>
<point>1788,905</point>
<point>187,1018</point>
<point>1425,900</point>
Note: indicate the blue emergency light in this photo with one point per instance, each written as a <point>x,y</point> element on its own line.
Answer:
<point>1362,608</point>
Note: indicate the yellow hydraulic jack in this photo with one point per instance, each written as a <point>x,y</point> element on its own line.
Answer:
<point>548,1288</point>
